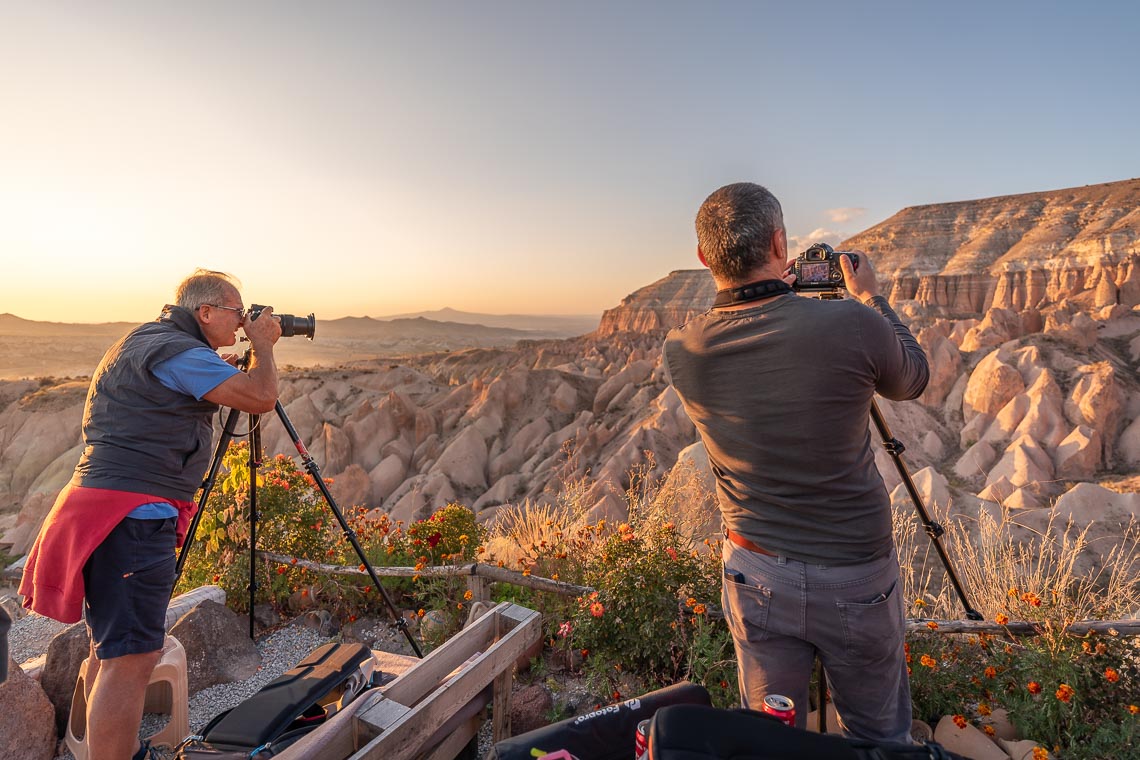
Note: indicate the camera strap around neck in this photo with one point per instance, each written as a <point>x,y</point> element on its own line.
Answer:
<point>753,291</point>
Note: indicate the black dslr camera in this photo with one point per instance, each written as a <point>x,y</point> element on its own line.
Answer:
<point>290,325</point>
<point>817,268</point>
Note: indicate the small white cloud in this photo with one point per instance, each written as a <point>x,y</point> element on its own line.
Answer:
<point>799,243</point>
<point>841,215</point>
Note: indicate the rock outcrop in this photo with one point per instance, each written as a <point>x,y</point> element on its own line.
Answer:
<point>669,302</point>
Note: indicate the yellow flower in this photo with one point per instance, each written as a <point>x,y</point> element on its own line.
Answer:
<point>919,603</point>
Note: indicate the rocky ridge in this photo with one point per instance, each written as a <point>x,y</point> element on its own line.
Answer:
<point>1029,410</point>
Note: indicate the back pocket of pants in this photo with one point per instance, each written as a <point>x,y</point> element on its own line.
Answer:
<point>872,630</point>
<point>745,607</point>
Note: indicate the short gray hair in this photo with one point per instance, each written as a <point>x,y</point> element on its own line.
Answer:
<point>205,286</point>
<point>735,226</point>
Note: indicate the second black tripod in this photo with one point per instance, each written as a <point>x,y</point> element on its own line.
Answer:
<point>314,470</point>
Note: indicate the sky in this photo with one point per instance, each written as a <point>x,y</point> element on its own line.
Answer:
<point>375,158</point>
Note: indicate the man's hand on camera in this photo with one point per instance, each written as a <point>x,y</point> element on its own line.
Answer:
<point>264,331</point>
<point>788,276</point>
<point>861,284</point>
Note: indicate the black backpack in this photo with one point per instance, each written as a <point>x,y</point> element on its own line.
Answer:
<point>695,732</point>
<point>287,708</point>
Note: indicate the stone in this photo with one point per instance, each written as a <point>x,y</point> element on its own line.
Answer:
<point>992,384</point>
<point>27,718</point>
<point>218,646</point>
<point>1022,463</point>
<point>530,707</point>
<point>464,461</point>
<point>1078,456</point>
<point>977,460</point>
<point>66,652</point>
<point>351,487</point>
<point>1097,401</point>
<point>968,742</point>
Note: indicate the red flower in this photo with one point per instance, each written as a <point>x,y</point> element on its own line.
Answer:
<point>434,539</point>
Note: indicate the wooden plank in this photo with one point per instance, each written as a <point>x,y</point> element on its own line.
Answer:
<point>404,738</point>
<point>1023,628</point>
<point>376,718</point>
<point>480,588</point>
<point>454,743</point>
<point>420,679</point>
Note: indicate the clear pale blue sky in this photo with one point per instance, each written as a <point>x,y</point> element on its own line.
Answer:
<point>374,158</point>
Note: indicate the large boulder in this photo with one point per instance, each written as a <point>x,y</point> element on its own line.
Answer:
<point>27,718</point>
<point>218,646</point>
<point>992,384</point>
<point>1097,401</point>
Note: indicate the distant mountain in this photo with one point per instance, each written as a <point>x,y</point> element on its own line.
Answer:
<point>549,325</point>
<point>39,349</point>
<point>10,324</point>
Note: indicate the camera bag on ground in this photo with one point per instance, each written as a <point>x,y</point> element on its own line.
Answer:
<point>604,734</point>
<point>696,732</point>
<point>287,708</point>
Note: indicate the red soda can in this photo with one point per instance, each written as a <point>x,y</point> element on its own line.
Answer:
<point>641,740</point>
<point>779,706</point>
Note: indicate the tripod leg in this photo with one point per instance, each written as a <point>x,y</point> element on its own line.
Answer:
<point>254,463</point>
<point>315,471</point>
<point>895,448</point>
<point>207,487</point>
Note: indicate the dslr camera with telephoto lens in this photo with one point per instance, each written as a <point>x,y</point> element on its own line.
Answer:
<point>817,268</point>
<point>290,325</point>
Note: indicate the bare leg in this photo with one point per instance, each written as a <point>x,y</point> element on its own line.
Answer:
<point>115,705</point>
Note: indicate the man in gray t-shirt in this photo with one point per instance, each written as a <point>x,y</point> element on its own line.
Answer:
<point>780,388</point>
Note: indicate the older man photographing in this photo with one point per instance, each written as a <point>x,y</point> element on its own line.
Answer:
<point>780,389</point>
<point>107,548</point>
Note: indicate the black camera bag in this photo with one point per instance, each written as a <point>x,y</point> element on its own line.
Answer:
<point>696,732</point>
<point>604,734</point>
<point>287,708</point>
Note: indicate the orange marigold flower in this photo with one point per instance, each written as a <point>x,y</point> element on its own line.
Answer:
<point>932,625</point>
<point>585,652</point>
<point>459,605</point>
<point>1040,753</point>
<point>699,609</point>
<point>597,610</point>
<point>1101,647</point>
<point>690,601</point>
<point>1001,618</point>
<point>989,730</point>
<point>554,576</point>
<point>928,661</point>
<point>991,672</point>
<point>984,709</point>
<point>1111,675</point>
<point>919,603</point>
<point>467,595</point>
<point>960,721</point>
<point>420,612</point>
<point>1134,709</point>
<point>1033,687</point>
<point>1065,692</point>
<point>1014,592</point>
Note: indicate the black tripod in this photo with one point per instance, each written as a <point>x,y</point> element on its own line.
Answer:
<point>254,462</point>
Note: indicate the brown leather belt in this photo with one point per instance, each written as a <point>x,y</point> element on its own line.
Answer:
<point>744,543</point>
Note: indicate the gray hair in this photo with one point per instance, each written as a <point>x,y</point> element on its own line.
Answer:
<point>205,286</point>
<point>735,226</point>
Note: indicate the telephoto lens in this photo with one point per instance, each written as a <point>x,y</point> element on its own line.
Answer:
<point>306,327</point>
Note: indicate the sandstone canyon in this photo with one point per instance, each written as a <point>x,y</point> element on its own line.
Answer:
<point>1026,306</point>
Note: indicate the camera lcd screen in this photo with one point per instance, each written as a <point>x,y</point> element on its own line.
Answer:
<point>814,272</point>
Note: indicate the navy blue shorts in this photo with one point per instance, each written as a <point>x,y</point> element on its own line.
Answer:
<point>129,579</point>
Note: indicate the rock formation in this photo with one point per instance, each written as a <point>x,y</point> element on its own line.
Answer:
<point>1023,304</point>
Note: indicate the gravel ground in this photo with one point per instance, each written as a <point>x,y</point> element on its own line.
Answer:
<point>280,650</point>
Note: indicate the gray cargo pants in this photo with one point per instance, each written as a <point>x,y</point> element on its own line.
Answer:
<point>782,613</point>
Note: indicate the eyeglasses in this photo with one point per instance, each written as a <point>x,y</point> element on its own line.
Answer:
<point>241,312</point>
